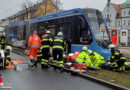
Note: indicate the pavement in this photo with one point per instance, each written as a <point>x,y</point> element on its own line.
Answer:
<point>125,50</point>
<point>46,79</point>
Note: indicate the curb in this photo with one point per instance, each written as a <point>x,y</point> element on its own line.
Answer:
<point>103,82</point>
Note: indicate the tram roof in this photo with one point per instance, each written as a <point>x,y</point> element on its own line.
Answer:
<point>18,23</point>
<point>57,15</point>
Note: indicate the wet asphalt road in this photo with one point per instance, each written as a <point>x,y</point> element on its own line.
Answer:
<point>125,51</point>
<point>46,80</point>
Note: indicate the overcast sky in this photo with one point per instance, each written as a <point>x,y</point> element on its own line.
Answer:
<point>10,7</point>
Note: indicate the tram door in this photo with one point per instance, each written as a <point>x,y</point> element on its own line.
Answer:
<point>114,36</point>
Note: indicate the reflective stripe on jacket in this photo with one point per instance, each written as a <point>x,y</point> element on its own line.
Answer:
<point>46,42</point>
<point>34,41</point>
<point>84,59</point>
<point>59,43</point>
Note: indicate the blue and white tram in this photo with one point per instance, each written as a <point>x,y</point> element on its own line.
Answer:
<point>80,26</point>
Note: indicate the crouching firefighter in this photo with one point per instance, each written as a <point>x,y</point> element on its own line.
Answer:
<point>46,44</point>
<point>96,59</point>
<point>117,59</point>
<point>84,58</point>
<point>5,57</point>
<point>58,49</point>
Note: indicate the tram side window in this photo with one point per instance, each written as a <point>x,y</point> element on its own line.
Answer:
<point>85,34</point>
<point>79,31</point>
<point>33,27</point>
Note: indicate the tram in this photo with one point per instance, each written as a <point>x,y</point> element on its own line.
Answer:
<point>79,26</point>
<point>16,33</point>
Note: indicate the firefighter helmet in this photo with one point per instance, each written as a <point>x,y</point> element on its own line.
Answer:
<point>60,34</point>
<point>90,51</point>
<point>84,48</point>
<point>111,46</point>
<point>48,32</point>
<point>9,48</point>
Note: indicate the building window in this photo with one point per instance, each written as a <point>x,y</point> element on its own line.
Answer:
<point>128,22</point>
<point>108,16</point>
<point>118,23</point>
<point>129,12</point>
<point>124,13</point>
<point>123,33</point>
<point>124,22</point>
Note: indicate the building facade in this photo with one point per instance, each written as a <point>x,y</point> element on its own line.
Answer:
<point>118,16</point>
<point>34,11</point>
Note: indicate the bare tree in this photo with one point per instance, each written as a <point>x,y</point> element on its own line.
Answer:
<point>58,4</point>
<point>44,11</point>
<point>29,7</point>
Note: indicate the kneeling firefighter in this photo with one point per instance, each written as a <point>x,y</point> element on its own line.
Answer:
<point>4,56</point>
<point>84,58</point>
<point>96,59</point>
<point>58,49</point>
<point>117,59</point>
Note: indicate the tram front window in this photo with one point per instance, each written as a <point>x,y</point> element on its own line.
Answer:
<point>97,23</point>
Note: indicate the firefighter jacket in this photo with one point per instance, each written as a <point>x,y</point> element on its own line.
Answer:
<point>4,56</point>
<point>96,59</point>
<point>7,55</point>
<point>46,42</point>
<point>2,42</point>
<point>34,41</point>
<point>116,56</point>
<point>84,58</point>
<point>59,43</point>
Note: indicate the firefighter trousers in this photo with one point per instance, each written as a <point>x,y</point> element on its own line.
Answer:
<point>45,56</point>
<point>58,57</point>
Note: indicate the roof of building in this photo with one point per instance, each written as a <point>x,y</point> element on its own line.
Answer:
<point>32,7</point>
<point>118,8</point>
<point>126,4</point>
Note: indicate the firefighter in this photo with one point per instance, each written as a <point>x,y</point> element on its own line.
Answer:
<point>5,57</point>
<point>117,59</point>
<point>34,44</point>
<point>58,49</point>
<point>96,59</point>
<point>84,58</point>
<point>46,44</point>
<point>2,41</point>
